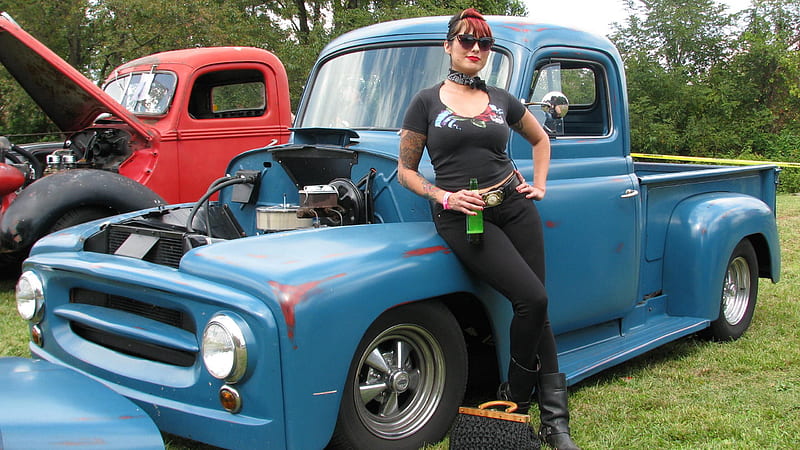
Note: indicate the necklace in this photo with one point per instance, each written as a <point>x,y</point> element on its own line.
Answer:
<point>466,80</point>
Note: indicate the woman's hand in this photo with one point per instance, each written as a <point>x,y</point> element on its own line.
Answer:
<point>465,201</point>
<point>536,193</point>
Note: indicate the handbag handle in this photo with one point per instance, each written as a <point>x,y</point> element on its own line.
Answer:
<point>511,406</point>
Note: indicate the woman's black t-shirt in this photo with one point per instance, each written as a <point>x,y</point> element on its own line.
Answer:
<point>465,147</point>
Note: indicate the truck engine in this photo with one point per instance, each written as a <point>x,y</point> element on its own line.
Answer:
<point>164,235</point>
<point>93,148</point>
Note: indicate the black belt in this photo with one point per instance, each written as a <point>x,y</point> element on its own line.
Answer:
<point>496,196</point>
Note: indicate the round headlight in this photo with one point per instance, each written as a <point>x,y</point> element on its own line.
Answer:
<point>224,349</point>
<point>30,297</point>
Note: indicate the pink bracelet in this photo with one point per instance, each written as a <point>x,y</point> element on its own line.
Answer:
<point>444,200</point>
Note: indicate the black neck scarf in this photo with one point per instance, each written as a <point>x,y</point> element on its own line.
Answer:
<point>466,80</point>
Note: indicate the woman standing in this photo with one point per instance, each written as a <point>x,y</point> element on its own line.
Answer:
<point>465,126</point>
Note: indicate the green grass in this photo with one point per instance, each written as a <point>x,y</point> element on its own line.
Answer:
<point>13,330</point>
<point>690,394</point>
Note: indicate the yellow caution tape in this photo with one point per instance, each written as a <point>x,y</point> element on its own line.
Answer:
<point>743,162</point>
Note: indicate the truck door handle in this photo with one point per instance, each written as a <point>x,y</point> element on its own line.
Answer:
<point>629,193</point>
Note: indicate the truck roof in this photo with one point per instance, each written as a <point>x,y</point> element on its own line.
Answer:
<point>520,30</point>
<point>199,57</point>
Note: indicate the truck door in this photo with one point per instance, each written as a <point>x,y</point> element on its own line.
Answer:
<point>591,209</point>
<point>232,108</point>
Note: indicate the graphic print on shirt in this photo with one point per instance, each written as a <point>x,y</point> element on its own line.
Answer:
<point>449,119</point>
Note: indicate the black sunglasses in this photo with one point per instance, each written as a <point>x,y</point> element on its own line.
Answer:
<point>468,41</point>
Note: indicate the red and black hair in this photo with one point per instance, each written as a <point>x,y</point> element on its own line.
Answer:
<point>475,24</point>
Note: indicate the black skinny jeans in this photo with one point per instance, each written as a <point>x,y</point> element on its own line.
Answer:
<point>511,260</point>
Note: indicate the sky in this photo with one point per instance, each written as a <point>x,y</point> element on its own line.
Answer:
<point>595,16</point>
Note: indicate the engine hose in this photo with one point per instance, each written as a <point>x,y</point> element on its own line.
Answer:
<point>35,164</point>
<point>87,149</point>
<point>215,186</point>
<point>212,189</point>
<point>366,181</point>
<point>218,181</point>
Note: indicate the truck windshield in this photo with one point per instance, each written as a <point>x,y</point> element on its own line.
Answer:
<point>372,88</point>
<point>143,92</point>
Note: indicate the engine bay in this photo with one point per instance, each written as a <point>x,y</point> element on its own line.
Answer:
<point>247,207</point>
<point>93,148</point>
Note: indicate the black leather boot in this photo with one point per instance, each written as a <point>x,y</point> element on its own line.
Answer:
<point>552,394</point>
<point>519,388</point>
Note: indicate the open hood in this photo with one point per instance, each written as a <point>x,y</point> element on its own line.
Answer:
<point>70,99</point>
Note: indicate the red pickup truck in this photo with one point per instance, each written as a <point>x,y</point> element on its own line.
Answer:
<point>161,129</point>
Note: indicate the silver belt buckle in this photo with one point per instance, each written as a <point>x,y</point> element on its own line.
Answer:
<point>493,198</point>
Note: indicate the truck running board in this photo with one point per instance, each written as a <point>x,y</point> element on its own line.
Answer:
<point>582,362</point>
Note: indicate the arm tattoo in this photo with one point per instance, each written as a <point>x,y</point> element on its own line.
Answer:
<point>412,145</point>
<point>428,189</point>
<point>520,128</point>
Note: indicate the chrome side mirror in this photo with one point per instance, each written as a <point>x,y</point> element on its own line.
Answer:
<point>555,106</point>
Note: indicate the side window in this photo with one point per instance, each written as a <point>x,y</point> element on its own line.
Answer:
<point>580,86</point>
<point>228,94</point>
<point>584,85</point>
<point>234,97</point>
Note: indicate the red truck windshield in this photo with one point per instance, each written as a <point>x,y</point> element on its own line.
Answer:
<point>143,93</point>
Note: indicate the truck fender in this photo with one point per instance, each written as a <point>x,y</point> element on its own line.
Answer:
<point>702,233</point>
<point>325,288</point>
<point>51,410</point>
<point>38,207</point>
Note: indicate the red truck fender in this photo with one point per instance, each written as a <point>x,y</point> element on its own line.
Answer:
<point>40,206</point>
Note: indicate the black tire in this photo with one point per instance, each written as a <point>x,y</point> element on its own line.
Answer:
<point>739,294</point>
<point>81,215</point>
<point>10,263</point>
<point>397,406</point>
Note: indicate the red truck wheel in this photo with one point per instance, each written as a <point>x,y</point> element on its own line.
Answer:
<point>406,380</point>
<point>10,262</point>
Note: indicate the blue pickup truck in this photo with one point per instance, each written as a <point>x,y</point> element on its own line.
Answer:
<point>314,302</point>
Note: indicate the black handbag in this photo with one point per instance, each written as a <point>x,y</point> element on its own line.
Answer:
<point>482,428</point>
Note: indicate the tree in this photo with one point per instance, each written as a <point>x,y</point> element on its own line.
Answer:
<point>705,83</point>
<point>67,34</point>
<point>128,29</point>
<point>768,60</point>
<point>766,70</point>
<point>670,47</point>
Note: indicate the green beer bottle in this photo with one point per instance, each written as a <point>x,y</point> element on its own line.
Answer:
<point>474,223</point>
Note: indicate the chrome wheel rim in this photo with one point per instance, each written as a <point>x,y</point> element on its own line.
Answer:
<point>736,291</point>
<point>399,382</point>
